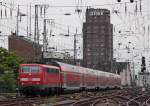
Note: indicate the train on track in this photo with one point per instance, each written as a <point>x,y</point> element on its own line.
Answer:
<point>58,77</point>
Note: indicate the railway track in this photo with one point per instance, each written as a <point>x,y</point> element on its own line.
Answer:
<point>140,100</point>
<point>148,102</point>
<point>125,97</point>
<point>88,99</point>
<point>21,102</point>
<point>128,97</point>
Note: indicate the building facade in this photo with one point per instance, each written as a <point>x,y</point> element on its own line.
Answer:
<point>25,48</point>
<point>98,40</point>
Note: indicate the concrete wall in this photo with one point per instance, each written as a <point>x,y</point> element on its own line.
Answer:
<point>126,76</point>
<point>143,79</point>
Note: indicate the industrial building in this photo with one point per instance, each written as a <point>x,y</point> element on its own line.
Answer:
<point>98,40</point>
<point>25,48</point>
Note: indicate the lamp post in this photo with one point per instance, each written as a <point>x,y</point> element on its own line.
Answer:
<point>18,14</point>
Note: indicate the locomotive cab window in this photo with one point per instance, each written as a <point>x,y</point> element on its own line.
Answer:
<point>32,69</point>
<point>25,69</point>
<point>52,71</point>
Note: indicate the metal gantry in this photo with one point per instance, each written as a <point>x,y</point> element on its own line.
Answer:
<point>36,30</point>
<point>45,40</point>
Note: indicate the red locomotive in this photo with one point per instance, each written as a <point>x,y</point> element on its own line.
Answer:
<point>55,78</point>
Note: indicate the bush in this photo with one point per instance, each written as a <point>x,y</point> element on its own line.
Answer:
<point>8,70</point>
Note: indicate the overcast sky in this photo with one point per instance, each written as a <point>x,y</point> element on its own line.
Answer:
<point>57,13</point>
<point>129,26</point>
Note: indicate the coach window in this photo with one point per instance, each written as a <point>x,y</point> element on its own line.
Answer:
<point>52,71</point>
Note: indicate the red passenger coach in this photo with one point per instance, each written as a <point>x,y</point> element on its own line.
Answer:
<point>57,77</point>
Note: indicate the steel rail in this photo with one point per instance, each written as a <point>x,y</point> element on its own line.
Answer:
<point>147,104</point>
<point>142,103</point>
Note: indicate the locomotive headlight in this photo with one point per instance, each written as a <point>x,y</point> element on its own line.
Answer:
<point>24,79</point>
<point>22,83</point>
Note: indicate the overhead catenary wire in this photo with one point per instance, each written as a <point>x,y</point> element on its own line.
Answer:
<point>76,6</point>
<point>98,5</point>
<point>62,28</point>
<point>9,27</point>
<point>82,5</point>
<point>104,4</point>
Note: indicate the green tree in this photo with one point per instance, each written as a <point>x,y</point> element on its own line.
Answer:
<point>9,63</point>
